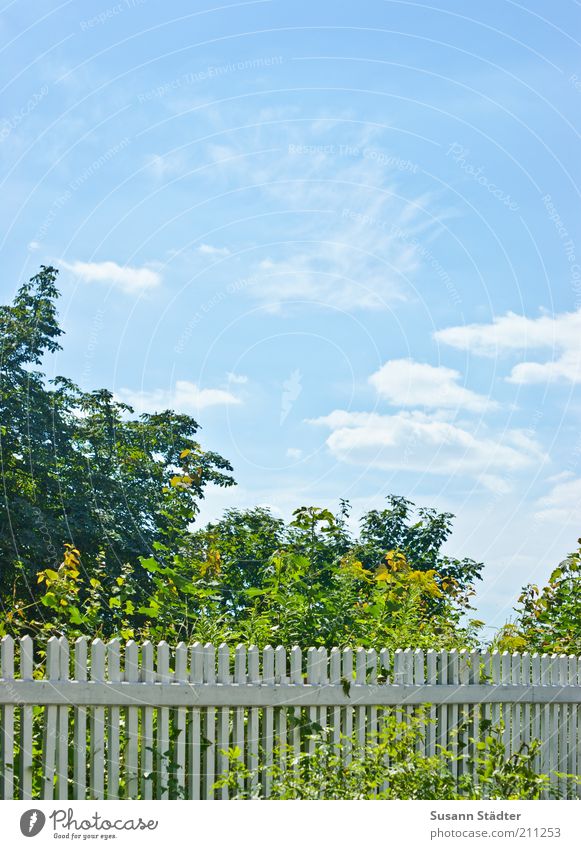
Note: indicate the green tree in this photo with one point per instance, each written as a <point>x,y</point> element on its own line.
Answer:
<point>79,467</point>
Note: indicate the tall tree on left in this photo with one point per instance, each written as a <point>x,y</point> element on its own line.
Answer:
<point>79,467</point>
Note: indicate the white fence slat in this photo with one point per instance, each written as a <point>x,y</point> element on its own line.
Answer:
<point>554,723</point>
<point>163,742</point>
<point>296,678</point>
<point>180,724</point>
<point>360,678</point>
<point>563,725</point>
<point>431,678</point>
<point>577,732</point>
<point>50,722</point>
<point>147,736</point>
<point>515,710</point>
<point>195,742</point>
<point>545,718</point>
<point>535,709</point>
<point>253,725</point>
<point>347,683</point>
<point>62,760</point>
<point>505,676</point>
<point>372,711</point>
<point>384,713</point>
<point>478,662</point>
<point>464,714</point>
<point>267,722</point>
<point>312,678</point>
<point>572,729</point>
<point>335,678</point>
<point>223,719</point>
<point>453,712</point>
<point>526,708</point>
<point>131,672</point>
<point>7,738</point>
<point>323,676</point>
<point>209,725</point>
<point>97,761</point>
<point>26,720</point>
<point>280,716</point>
<point>442,710</point>
<point>81,655</point>
<point>113,723</point>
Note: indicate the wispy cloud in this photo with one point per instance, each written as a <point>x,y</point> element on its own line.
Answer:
<point>350,223</point>
<point>562,503</point>
<point>418,442</point>
<point>185,397</point>
<point>236,378</point>
<point>560,333</point>
<point>406,383</point>
<point>210,250</point>
<point>129,279</point>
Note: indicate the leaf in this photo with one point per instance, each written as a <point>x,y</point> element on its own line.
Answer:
<point>114,602</point>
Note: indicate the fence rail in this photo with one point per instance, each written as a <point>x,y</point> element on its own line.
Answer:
<point>101,720</point>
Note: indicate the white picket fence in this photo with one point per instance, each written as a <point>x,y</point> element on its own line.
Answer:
<point>141,721</point>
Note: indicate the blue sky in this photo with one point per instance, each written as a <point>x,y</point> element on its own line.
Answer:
<point>344,236</point>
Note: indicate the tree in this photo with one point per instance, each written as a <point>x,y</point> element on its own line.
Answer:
<point>549,619</point>
<point>78,467</point>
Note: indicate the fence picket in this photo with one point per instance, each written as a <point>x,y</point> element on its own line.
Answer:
<point>195,745</point>
<point>62,760</point>
<point>80,723</point>
<point>7,737</point>
<point>163,741</point>
<point>346,682</point>
<point>238,722</point>
<point>50,722</point>
<point>113,724</point>
<point>223,719</point>
<point>280,723</point>
<point>132,729</point>
<point>180,724</point>
<point>267,722</point>
<point>296,676</point>
<point>563,726</point>
<point>253,722</point>
<point>97,762</point>
<point>26,721</point>
<point>335,678</point>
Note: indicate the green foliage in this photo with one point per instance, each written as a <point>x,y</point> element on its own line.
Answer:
<point>390,767</point>
<point>549,620</point>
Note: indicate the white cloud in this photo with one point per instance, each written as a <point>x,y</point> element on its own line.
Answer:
<point>168,165</point>
<point>561,333</point>
<point>294,453</point>
<point>185,397</point>
<point>407,383</point>
<point>236,378</point>
<point>210,250</point>
<point>128,278</point>
<point>563,502</point>
<point>350,228</point>
<point>414,441</point>
<point>33,246</point>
